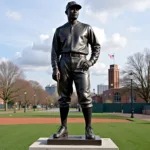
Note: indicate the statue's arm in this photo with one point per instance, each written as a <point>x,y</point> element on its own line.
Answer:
<point>95,46</point>
<point>55,51</point>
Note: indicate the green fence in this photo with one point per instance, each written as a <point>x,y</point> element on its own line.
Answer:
<point>2,106</point>
<point>97,108</point>
<point>115,107</point>
<point>118,107</point>
<point>138,107</point>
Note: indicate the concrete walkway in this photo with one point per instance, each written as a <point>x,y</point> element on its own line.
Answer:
<point>138,116</point>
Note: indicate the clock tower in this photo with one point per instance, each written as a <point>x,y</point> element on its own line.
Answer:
<point>113,77</point>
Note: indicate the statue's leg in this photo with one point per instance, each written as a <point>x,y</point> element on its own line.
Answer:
<point>65,89</point>
<point>82,83</point>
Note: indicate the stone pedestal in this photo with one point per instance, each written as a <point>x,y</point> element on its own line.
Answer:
<point>74,140</point>
<point>41,144</point>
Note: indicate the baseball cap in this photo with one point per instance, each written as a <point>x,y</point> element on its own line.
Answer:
<point>73,3</point>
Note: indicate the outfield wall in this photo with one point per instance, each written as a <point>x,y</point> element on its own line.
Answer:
<point>118,107</point>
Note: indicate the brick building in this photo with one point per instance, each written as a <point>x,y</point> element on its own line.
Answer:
<point>115,94</point>
<point>113,77</point>
<point>120,95</point>
<point>1,101</point>
<point>97,98</point>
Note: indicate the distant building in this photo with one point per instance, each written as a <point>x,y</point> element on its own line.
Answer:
<point>101,88</point>
<point>97,98</point>
<point>120,95</point>
<point>1,101</point>
<point>113,77</point>
<point>114,93</point>
<point>51,89</point>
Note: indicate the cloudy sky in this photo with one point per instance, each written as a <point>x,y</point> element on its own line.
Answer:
<point>27,28</point>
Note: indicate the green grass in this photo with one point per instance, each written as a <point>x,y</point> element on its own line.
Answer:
<point>128,136</point>
<point>2,110</point>
<point>37,114</point>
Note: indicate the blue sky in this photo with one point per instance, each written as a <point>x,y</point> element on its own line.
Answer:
<point>27,28</point>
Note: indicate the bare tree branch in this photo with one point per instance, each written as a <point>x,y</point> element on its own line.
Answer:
<point>9,73</point>
<point>139,65</point>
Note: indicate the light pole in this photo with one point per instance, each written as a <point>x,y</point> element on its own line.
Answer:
<point>131,96</point>
<point>34,102</point>
<point>19,104</point>
<point>113,92</point>
<point>15,107</point>
<point>94,92</point>
<point>25,93</point>
<point>46,103</point>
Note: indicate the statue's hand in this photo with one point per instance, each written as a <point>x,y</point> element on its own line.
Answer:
<point>86,64</point>
<point>56,75</point>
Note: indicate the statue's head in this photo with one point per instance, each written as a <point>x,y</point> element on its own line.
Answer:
<point>72,10</point>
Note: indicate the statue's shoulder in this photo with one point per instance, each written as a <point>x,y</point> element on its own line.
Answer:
<point>84,24</point>
<point>62,26</point>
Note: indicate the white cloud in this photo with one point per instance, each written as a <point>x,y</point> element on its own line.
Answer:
<point>37,56</point>
<point>102,16</point>
<point>44,44</point>
<point>30,59</point>
<point>3,60</point>
<point>134,29</point>
<point>14,15</point>
<point>38,68</point>
<point>53,30</point>
<point>44,37</point>
<point>99,69</point>
<point>116,42</point>
<point>100,33</point>
<point>140,5</point>
<point>105,10</point>
<point>18,54</point>
<point>41,47</point>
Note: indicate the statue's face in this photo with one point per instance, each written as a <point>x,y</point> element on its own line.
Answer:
<point>73,12</point>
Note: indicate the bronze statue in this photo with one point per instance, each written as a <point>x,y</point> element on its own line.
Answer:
<point>69,63</point>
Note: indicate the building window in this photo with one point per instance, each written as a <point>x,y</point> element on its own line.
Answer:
<point>109,96</point>
<point>104,96</point>
<point>134,99</point>
<point>117,97</point>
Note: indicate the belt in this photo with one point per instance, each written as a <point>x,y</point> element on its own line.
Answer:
<point>73,54</point>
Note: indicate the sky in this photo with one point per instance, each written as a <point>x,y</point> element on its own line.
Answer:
<point>27,28</point>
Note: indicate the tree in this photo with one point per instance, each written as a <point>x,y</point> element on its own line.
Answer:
<point>25,94</point>
<point>54,99</point>
<point>19,84</point>
<point>35,84</point>
<point>9,73</point>
<point>41,96</point>
<point>47,101</point>
<point>38,92</point>
<point>139,65</point>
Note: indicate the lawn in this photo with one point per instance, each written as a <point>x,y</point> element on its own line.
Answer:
<point>128,136</point>
<point>37,114</point>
